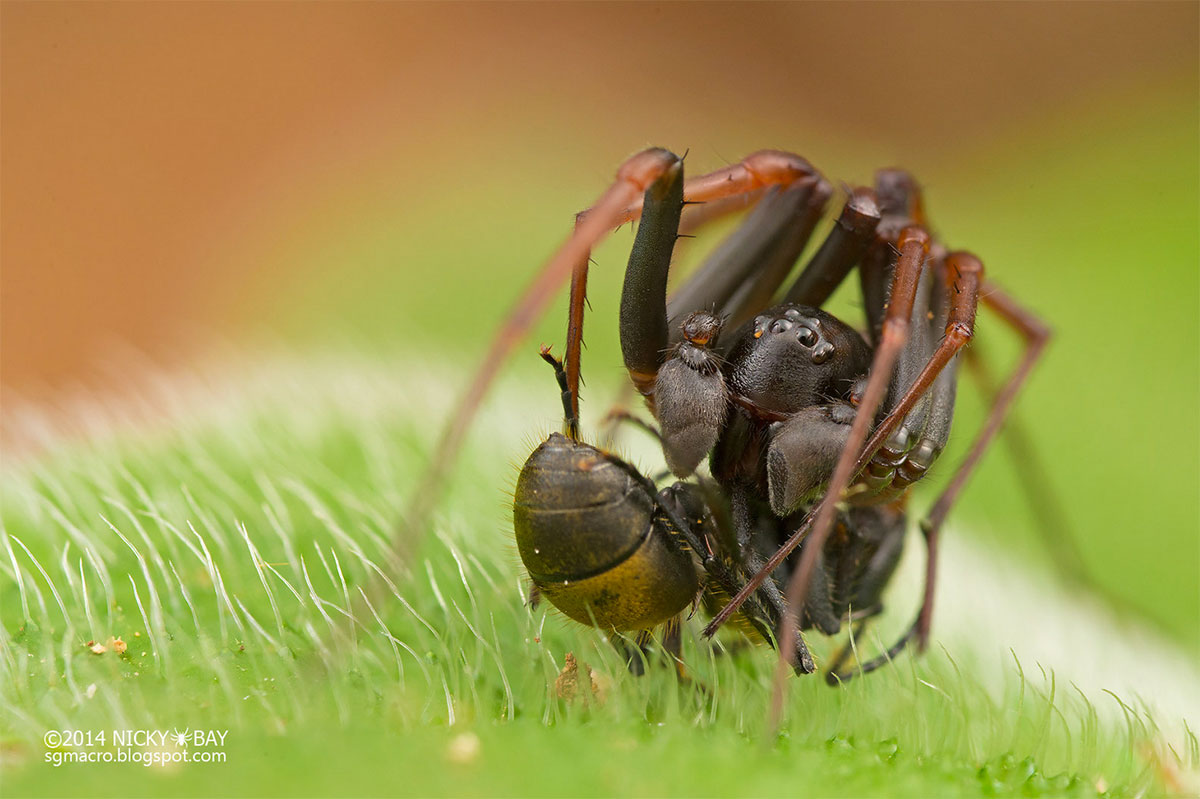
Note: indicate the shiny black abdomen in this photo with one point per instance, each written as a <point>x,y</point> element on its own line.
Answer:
<point>593,542</point>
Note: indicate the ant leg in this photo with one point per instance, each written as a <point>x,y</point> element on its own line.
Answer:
<point>672,644</point>
<point>833,675</point>
<point>636,654</point>
<point>619,414</point>
<point>570,420</point>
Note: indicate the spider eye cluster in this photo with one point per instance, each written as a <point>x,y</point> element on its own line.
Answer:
<point>807,332</point>
<point>794,355</point>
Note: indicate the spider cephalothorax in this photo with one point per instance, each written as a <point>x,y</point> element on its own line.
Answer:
<point>813,431</point>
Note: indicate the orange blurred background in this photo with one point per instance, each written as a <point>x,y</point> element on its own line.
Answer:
<point>155,155</point>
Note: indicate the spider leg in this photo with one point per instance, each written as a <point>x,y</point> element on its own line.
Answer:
<point>915,444</point>
<point>898,199</point>
<point>766,243</point>
<point>643,318</point>
<point>1036,335</point>
<point>841,250</point>
<point>1051,518</point>
<point>782,250</point>
<point>914,246</point>
<point>964,275</point>
<point>745,524</point>
<point>620,203</point>
<point>888,523</point>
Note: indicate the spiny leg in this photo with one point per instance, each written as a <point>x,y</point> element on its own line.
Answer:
<point>620,203</point>
<point>570,420</point>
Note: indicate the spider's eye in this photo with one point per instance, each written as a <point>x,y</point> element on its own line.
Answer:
<point>806,337</point>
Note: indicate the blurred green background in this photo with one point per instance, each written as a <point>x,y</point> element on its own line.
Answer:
<point>384,179</point>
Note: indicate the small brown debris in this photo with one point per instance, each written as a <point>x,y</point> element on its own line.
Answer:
<point>568,685</point>
<point>116,644</point>
<point>600,686</point>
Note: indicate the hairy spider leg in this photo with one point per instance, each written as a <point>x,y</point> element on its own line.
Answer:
<point>620,203</point>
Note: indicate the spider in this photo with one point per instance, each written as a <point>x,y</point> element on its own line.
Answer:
<point>814,432</point>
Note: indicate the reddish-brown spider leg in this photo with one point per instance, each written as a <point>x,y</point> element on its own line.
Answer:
<point>1051,518</point>
<point>620,203</point>
<point>914,246</point>
<point>964,277</point>
<point>965,274</point>
<point>757,171</point>
<point>1036,335</point>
